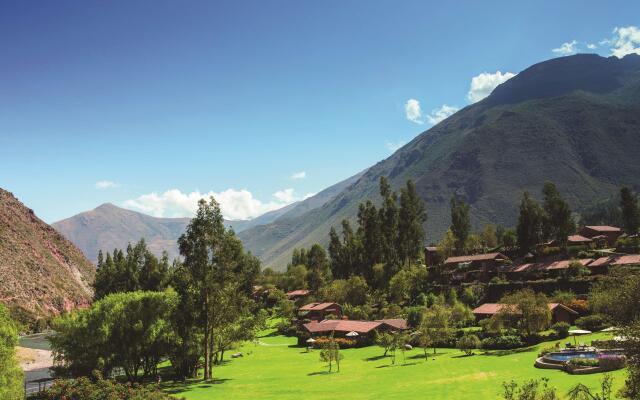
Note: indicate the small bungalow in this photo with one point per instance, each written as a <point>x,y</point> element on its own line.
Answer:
<point>602,264</point>
<point>559,266</point>
<point>364,329</point>
<point>578,240</point>
<point>610,233</point>
<point>559,312</point>
<point>319,311</point>
<point>477,266</point>
<point>546,268</point>
<point>296,295</point>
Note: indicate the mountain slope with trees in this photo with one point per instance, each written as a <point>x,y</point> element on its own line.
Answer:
<point>572,120</point>
<point>41,272</point>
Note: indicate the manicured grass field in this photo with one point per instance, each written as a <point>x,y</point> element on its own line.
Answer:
<point>277,369</point>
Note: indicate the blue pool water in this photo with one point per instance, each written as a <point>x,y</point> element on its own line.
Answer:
<point>568,355</point>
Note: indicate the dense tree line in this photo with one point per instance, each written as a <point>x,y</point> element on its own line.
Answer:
<point>189,312</point>
<point>391,235</point>
<point>137,269</point>
<point>551,221</point>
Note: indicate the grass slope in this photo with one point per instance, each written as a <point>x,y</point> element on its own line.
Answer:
<point>277,369</point>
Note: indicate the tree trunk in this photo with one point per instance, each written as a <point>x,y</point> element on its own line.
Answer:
<point>206,349</point>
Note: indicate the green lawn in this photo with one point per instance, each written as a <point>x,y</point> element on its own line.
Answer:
<point>276,369</point>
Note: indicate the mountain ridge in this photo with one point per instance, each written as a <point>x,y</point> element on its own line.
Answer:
<point>108,226</point>
<point>529,130</point>
<point>41,272</point>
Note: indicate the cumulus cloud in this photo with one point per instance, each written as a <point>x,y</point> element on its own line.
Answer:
<point>413,112</point>
<point>299,175</point>
<point>592,46</point>
<point>567,48</point>
<point>439,114</point>
<point>105,184</point>
<point>626,40</point>
<point>482,85</point>
<point>234,204</point>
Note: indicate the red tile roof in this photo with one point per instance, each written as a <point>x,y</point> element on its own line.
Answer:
<point>601,262</point>
<point>342,326</point>
<point>578,239</point>
<point>627,259</point>
<point>317,306</point>
<point>603,228</point>
<point>396,323</point>
<point>476,257</point>
<point>565,263</point>
<point>494,308</point>
<point>299,292</point>
<point>549,266</point>
<point>553,306</point>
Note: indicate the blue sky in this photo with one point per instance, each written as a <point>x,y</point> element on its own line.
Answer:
<point>149,104</point>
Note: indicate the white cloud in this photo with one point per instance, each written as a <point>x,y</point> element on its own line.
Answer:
<point>105,184</point>
<point>592,46</point>
<point>567,48</point>
<point>439,114</point>
<point>413,112</point>
<point>299,175</point>
<point>626,40</point>
<point>234,204</point>
<point>482,85</point>
<point>394,146</point>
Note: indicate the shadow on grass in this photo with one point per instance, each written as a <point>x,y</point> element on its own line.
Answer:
<point>319,373</point>
<point>179,387</point>
<point>421,356</point>
<point>376,358</point>
<point>397,365</point>
<point>464,355</point>
<point>501,353</point>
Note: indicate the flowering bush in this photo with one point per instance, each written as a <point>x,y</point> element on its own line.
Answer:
<point>610,362</point>
<point>342,342</point>
<point>102,389</point>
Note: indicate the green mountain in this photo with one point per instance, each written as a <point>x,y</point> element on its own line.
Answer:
<point>571,120</point>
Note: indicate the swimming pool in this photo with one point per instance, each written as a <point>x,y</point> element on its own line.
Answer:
<point>568,355</point>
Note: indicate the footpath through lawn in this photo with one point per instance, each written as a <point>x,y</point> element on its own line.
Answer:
<point>277,369</point>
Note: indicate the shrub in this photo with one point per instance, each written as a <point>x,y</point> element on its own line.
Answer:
<point>415,316</point>
<point>467,343</point>
<point>342,342</point>
<point>83,388</point>
<point>610,362</point>
<point>561,329</point>
<point>551,250</point>
<point>547,350</point>
<point>584,362</point>
<point>573,251</point>
<point>595,322</point>
<point>579,306</point>
<point>502,342</point>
